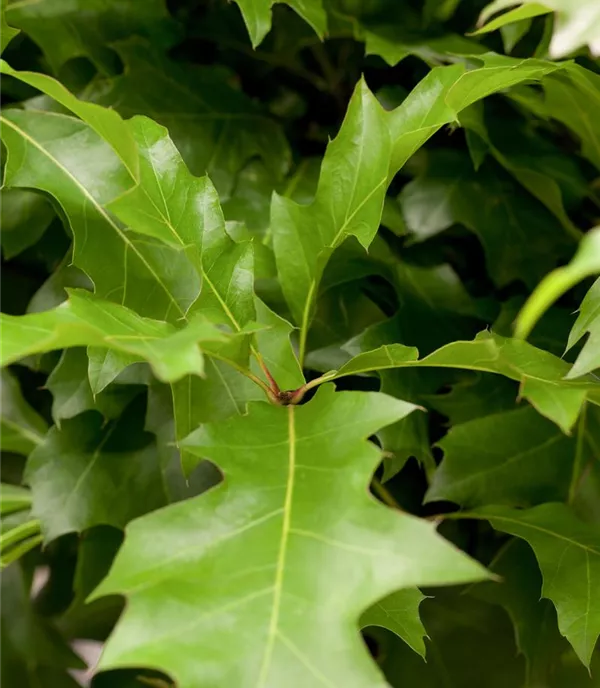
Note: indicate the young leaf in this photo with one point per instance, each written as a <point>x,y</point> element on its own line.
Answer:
<point>84,474</point>
<point>348,202</point>
<point>399,613</point>
<point>588,320</point>
<point>86,321</point>
<point>568,553</point>
<point>516,458</point>
<point>181,210</point>
<point>217,127</point>
<point>71,392</point>
<point>293,505</point>
<point>22,428</point>
<point>526,11</point>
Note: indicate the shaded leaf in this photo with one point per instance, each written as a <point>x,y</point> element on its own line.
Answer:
<point>33,653</point>
<point>349,201</point>
<point>399,613</point>
<point>71,392</point>
<point>86,321</point>
<point>217,128</point>
<point>280,496</point>
<point>585,263</point>
<point>84,28</point>
<point>568,553</point>
<point>534,619</point>
<point>84,474</point>
<point>516,458</point>
<point>22,428</point>
<point>25,217</point>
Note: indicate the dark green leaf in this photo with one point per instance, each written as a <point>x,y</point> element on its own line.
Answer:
<point>568,553</point>
<point>22,428</point>
<point>85,473</point>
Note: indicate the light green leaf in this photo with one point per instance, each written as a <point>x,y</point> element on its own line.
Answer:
<point>521,239</point>
<point>7,33</point>
<point>13,498</point>
<point>107,123</point>
<point>577,22</point>
<point>257,16</point>
<point>86,472</point>
<point>585,263</point>
<point>22,428</point>
<point>526,11</point>
<point>568,553</point>
<point>222,392</point>
<point>52,153</point>
<point>516,458</point>
<point>86,321</point>
<point>65,29</point>
<point>348,202</point>
<point>275,512</point>
<point>216,126</point>
<point>588,321</point>
<point>399,613</point>
<point>540,373</point>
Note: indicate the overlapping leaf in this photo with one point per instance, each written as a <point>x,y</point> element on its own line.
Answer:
<point>217,128</point>
<point>84,474</point>
<point>22,428</point>
<point>86,321</point>
<point>516,458</point>
<point>66,29</point>
<point>277,506</point>
<point>348,201</point>
<point>540,373</point>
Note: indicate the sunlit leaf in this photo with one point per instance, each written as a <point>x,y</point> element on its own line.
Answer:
<point>568,553</point>
<point>280,465</point>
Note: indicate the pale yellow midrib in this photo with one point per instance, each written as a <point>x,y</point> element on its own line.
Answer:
<point>285,532</point>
